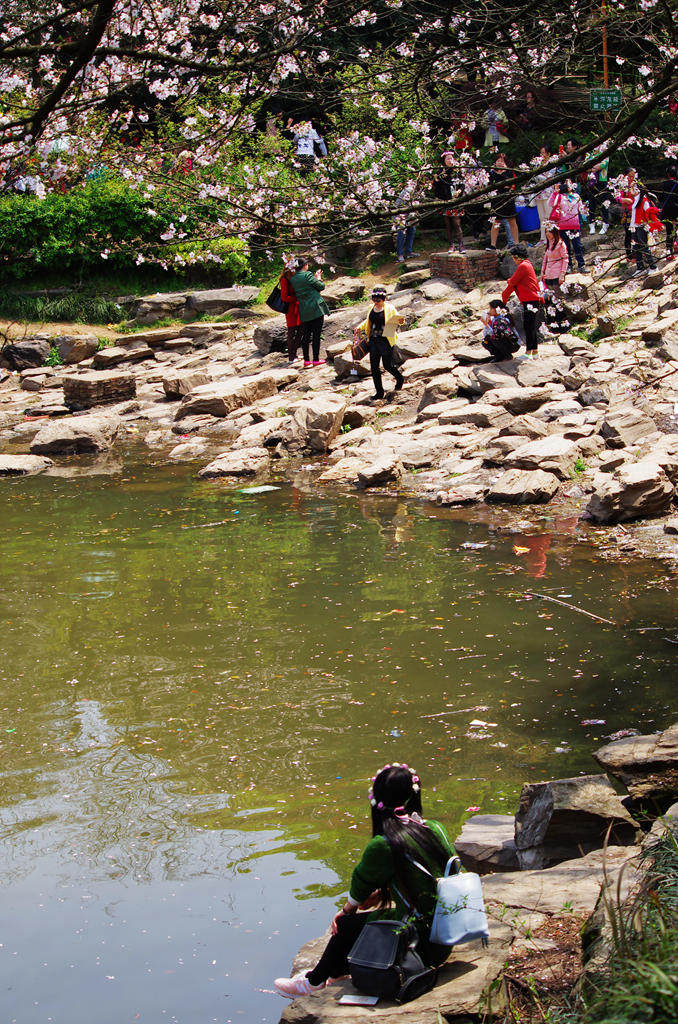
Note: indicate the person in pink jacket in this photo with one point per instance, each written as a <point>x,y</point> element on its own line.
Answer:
<point>556,258</point>
<point>566,208</point>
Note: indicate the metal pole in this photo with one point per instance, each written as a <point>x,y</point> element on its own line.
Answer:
<point>606,77</point>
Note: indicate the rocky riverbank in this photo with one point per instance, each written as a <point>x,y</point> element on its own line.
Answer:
<point>559,872</point>
<point>591,428</point>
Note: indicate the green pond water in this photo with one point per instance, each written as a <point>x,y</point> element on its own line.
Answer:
<point>196,685</point>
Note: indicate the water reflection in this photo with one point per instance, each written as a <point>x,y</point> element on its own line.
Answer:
<point>198,682</point>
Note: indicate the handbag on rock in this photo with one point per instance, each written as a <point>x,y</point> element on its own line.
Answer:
<point>384,962</point>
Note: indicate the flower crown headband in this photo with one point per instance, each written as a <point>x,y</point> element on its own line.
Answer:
<point>396,764</point>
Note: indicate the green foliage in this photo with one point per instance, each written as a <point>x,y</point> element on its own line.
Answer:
<point>642,982</point>
<point>72,308</point>
<point>70,231</point>
<point>54,359</point>
<point>104,225</point>
<point>225,258</point>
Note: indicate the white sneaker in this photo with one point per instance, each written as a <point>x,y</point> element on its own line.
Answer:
<point>297,986</point>
<point>592,228</point>
<point>605,228</point>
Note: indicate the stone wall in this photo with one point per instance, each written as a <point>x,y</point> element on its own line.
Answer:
<point>467,269</point>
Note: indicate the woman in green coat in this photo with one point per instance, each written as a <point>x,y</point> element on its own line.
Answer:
<point>312,309</point>
<point>386,879</point>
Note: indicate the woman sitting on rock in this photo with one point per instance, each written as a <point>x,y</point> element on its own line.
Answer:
<point>500,337</point>
<point>385,881</point>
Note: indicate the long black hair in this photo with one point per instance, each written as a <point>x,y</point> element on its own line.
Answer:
<point>396,815</point>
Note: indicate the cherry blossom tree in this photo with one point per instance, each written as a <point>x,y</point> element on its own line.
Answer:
<point>174,95</point>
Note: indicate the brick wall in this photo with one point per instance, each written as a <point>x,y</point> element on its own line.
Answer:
<point>467,269</point>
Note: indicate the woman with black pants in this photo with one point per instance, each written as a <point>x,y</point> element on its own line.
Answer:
<point>312,309</point>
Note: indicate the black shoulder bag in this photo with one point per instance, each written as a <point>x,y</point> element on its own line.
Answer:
<point>275,301</point>
<point>384,962</point>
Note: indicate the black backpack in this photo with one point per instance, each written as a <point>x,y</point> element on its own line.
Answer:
<point>384,962</point>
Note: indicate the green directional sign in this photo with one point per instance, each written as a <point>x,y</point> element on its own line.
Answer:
<point>605,99</point>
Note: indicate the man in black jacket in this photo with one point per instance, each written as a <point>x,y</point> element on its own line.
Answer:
<point>668,206</point>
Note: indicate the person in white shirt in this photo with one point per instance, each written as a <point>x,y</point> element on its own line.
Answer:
<point>305,139</point>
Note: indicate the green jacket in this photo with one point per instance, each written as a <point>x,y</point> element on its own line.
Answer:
<point>377,869</point>
<point>307,289</point>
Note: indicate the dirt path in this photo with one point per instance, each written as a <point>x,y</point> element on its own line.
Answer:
<point>27,329</point>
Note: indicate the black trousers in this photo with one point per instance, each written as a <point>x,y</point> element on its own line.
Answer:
<point>381,352</point>
<point>333,962</point>
<point>670,226</point>
<point>530,325</point>
<point>641,250</point>
<point>294,334</point>
<point>312,329</point>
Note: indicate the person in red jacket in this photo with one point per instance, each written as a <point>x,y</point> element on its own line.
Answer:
<point>292,317</point>
<point>524,283</point>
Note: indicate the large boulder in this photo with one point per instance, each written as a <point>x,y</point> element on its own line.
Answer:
<point>479,414</point>
<point>343,289</point>
<point>519,400</point>
<point>626,426</point>
<point>556,820</point>
<point>221,398</point>
<point>646,765</point>
<point>422,341</point>
<point>440,389</point>
<point>271,336</point>
<point>636,489</point>
<point>74,348</point>
<point>550,454</point>
<point>346,366</point>
<point>107,358</point>
<point>23,465</point>
<point>85,390</point>
<point>179,383</point>
<point>316,423</point>
<point>149,308</point>
<point>523,487</point>
<point>384,469</point>
<point>241,462</point>
<point>77,435</point>
<point>20,355</point>
<point>219,300</point>
<point>429,366</point>
<point>487,843</point>
<point>244,462</point>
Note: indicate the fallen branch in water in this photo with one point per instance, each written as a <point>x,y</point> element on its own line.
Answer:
<point>572,607</point>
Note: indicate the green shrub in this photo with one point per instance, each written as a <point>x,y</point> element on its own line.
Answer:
<point>71,308</point>
<point>225,258</point>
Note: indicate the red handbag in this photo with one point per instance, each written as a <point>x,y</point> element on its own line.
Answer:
<point>555,209</point>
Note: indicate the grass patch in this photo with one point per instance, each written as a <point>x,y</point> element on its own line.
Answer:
<point>642,980</point>
<point>73,308</point>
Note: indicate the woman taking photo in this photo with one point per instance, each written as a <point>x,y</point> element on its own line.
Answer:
<point>385,881</point>
<point>312,309</point>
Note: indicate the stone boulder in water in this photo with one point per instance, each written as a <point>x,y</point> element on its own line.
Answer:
<point>555,820</point>
<point>646,765</point>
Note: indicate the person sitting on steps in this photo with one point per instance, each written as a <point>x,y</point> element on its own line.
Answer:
<point>379,326</point>
<point>385,882</point>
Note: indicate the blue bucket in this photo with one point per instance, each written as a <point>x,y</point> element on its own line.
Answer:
<point>528,218</point>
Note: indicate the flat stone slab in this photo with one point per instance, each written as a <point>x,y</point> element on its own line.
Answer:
<point>515,901</point>
<point>487,844</point>
<point>23,465</point>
